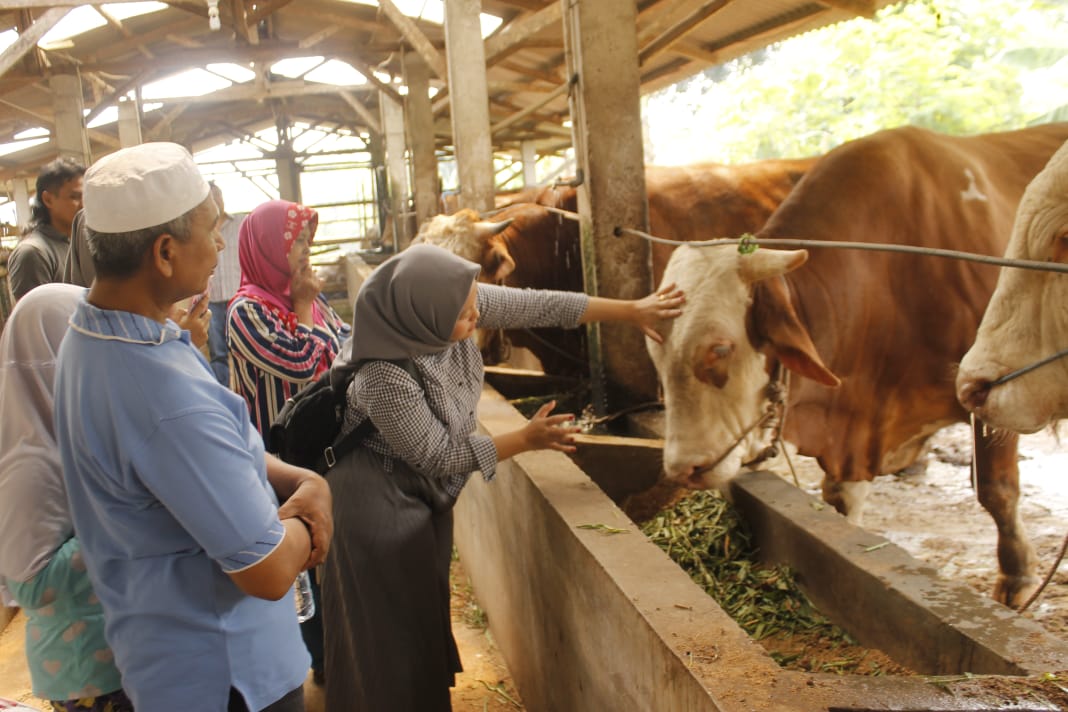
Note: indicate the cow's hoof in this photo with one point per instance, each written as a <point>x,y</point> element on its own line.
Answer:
<point>1014,591</point>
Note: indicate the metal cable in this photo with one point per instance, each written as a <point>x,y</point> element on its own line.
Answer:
<point>747,243</point>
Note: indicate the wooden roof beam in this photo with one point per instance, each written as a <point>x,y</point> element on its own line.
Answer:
<point>864,8</point>
<point>662,42</point>
<point>117,24</point>
<point>514,34</point>
<point>251,92</point>
<point>369,73</point>
<point>265,9</point>
<point>49,120</point>
<point>29,39</point>
<point>363,112</point>
<point>408,29</point>
<point>9,4</point>
<point>243,29</point>
<point>523,113</point>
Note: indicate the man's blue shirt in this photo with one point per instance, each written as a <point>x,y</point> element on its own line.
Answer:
<point>168,490</point>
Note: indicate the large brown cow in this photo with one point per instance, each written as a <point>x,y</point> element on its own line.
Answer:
<point>529,246</point>
<point>1026,320</point>
<point>873,336</point>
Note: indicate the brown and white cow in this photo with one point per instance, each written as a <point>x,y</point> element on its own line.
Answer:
<point>529,246</point>
<point>1027,318</point>
<point>871,337</point>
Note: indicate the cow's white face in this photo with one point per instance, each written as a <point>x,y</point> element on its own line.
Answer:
<point>712,377</point>
<point>1027,318</point>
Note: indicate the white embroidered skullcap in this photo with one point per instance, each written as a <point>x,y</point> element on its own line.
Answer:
<point>141,186</point>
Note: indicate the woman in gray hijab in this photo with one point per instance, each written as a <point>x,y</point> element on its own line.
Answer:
<point>389,641</point>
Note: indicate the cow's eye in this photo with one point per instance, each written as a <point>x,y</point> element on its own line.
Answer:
<point>1060,248</point>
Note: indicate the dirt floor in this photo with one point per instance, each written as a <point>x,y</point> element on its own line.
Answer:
<point>932,514</point>
<point>935,516</point>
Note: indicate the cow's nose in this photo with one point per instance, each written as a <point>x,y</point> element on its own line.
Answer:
<point>973,392</point>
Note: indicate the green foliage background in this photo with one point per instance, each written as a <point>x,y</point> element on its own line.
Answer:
<point>956,66</point>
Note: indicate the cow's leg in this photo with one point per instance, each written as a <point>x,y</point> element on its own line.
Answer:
<point>998,489</point>
<point>847,497</point>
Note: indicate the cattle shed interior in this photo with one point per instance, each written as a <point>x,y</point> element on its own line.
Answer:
<point>596,621</point>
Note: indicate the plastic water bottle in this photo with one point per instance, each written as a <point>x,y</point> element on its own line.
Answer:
<point>303,597</point>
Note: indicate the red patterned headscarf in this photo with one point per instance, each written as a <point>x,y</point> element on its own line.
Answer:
<point>264,241</point>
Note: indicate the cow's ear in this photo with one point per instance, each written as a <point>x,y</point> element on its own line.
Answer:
<point>774,327</point>
<point>498,264</point>
<point>765,264</point>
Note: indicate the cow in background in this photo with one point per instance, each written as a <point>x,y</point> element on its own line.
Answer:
<point>1027,318</point>
<point>529,246</point>
<point>871,337</point>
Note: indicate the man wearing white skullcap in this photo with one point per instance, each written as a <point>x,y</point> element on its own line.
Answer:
<point>170,490</point>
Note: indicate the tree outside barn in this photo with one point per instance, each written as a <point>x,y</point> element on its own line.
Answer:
<point>955,66</point>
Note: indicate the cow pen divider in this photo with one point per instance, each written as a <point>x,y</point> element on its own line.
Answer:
<point>589,619</point>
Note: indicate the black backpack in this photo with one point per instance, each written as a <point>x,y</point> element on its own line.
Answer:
<point>307,430</point>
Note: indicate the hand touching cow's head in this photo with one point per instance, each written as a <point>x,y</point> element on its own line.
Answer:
<point>712,365</point>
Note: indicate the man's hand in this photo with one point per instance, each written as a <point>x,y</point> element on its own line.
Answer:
<point>195,320</point>
<point>312,503</point>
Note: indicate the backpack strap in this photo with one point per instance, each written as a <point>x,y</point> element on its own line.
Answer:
<point>344,444</point>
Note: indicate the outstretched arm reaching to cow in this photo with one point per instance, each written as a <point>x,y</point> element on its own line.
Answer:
<point>645,313</point>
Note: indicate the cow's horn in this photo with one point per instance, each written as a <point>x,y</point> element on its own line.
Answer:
<point>488,229</point>
<point>766,263</point>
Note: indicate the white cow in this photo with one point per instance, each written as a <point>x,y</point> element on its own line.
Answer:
<point>1027,318</point>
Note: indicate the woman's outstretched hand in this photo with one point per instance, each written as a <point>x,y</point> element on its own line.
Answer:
<point>664,303</point>
<point>542,432</point>
<point>551,432</point>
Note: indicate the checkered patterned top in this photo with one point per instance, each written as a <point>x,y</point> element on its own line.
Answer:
<point>434,431</point>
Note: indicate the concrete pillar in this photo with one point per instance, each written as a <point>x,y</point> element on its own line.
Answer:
<point>470,103</point>
<point>529,157</point>
<point>392,114</point>
<point>419,117</point>
<point>602,51</point>
<point>286,164</point>
<point>68,106</point>
<point>288,179</point>
<point>129,123</point>
<point>22,202</point>
<point>377,151</point>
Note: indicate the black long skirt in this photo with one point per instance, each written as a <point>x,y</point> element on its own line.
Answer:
<point>385,592</point>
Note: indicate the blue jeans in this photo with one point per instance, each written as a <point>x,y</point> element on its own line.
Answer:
<point>217,347</point>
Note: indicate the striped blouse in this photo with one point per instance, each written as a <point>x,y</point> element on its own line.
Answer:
<point>433,428</point>
<point>272,358</point>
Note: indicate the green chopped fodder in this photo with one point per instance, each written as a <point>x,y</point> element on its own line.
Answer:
<point>704,535</point>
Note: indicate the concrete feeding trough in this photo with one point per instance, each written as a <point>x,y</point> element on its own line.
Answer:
<point>594,621</point>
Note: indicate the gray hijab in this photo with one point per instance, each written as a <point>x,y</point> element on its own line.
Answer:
<point>410,304</point>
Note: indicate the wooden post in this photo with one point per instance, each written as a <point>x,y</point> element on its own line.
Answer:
<point>420,123</point>
<point>70,136</point>
<point>470,103</point>
<point>602,49</point>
